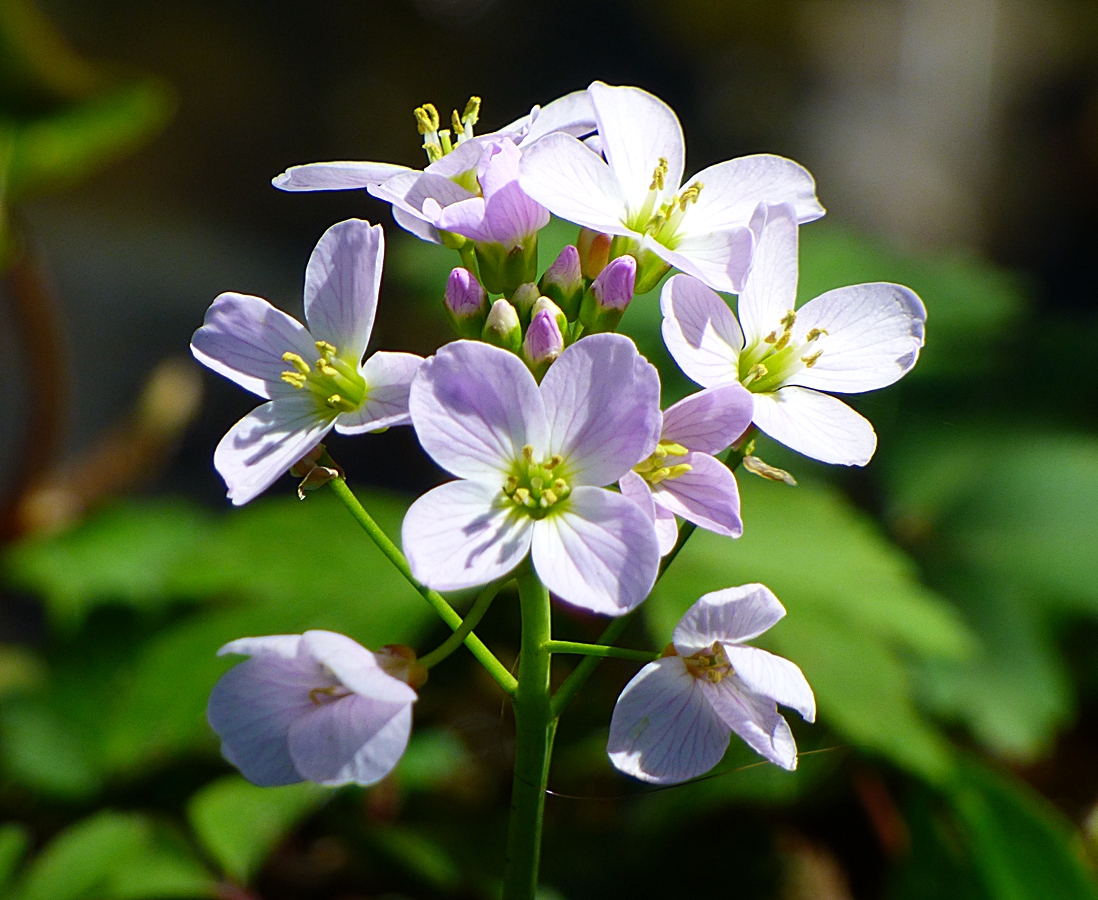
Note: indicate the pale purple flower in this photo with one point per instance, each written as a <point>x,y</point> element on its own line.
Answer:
<point>848,340</point>
<point>683,476</point>
<point>312,707</point>
<point>465,296</point>
<point>563,281</point>
<point>675,718</point>
<point>637,190</point>
<point>313,378</point>
<point>533,460</point>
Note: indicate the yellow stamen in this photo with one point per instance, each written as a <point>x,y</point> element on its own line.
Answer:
<point>659,175</point>
<point>815,333</point>
<point>426,118</point>
<point>296,361</point>
<point>810,361</point>
<point>294,379</point>
<point>756,372</point>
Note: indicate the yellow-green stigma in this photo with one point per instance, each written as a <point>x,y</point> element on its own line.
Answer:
<point>769,363</point>
<point>536,487</point>
<point>334,382</point>
<point>711,663</point>
<point>661,465</point>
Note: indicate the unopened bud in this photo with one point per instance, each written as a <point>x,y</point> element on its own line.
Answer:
<point>544,303</point>
<point>594,252</point>
<point>466,303</point>
<point>544,342</point>
<point>609,295</point>
<point>503,269</point>
<point>502,327</point>
<point>650,269</point>
<point>563,281</point>
<point>523,300</point>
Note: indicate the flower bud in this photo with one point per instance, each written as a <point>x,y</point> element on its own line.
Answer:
<point>594,252</point>
<point>609,295</point>
<point>650,269</point>
<point>554,310</point>
<point>466,303</point>
<point>523,300</point>
<point>503,269</point>
<point>544,342</point>
<point>502,327</point>
<point>563,281</point>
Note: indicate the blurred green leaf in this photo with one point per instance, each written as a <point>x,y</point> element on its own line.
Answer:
<point>20,669</point>
<point>14,841</point>
<point>419,854</point>
<point>434,757</point>
<point>45,751</point>
<point>239,824</point>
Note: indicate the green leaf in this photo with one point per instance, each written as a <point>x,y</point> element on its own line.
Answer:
<point>14,841</point>
<point>44,751</point>
<point>239,824</point>
<point>434,758</point>
<point>419,854</point>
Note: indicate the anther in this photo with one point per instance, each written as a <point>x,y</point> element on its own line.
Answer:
<point>455,123</point>
<point>690,195</point>
<point>426,118</point>
<point>296,361</point>
<point>560,486</point>
<point>782,341</point>
<point>326,349</point>
<point>294,379</point>
<point>338,402</point>
<point>815,333</point>
<point>472,112</point>
<point>788,319</point>
<point>548,498</point>
<point>511,484</point>
<point>659,175</point>
<point>756,372</point>
<point>522,497</point>
<point>555,460</point>
<point>771,338</point>
<point>810,361</point>
<point>528,453</point>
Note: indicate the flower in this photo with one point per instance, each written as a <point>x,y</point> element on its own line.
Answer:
<point>267,352</point>
<point>533,460</point>
<point>674,720</point>
<point>636,192</point>
<point>849,340</point>
<point>314,707</point>
<point>682,476</point>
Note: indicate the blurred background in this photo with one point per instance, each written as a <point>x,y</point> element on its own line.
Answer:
<point>943,601</point>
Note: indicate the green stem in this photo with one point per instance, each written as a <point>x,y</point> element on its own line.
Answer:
<point>602,652</point>
<point>471,620</point>
<point>468,255</point>
<point>438,603</point>
<point>535,727</point>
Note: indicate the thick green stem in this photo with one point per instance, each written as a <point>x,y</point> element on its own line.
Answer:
<point>601,651</point>
<point>535,726</point>
<point>471,620</point>
<point>438,603</point>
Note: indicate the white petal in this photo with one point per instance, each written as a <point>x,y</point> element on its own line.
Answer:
<point>284,646</point>
<point>874,332</point>
<point>667,529</point>
<point>755,719</point>
<point>719,258</point>
<point>335,176</point>
<point>356,667</point>
<point>732,615</point>
<point>602,401</point>
<point>774,677</point>
<point>771,288</point>
<point>637,130</point>
<point>380,754</point>
<point>664,730</point>
<point>572,114</point>
<point>707,495</point>
<point>600,553</point>
<point>341,286</point>
<point>710,420</point>
<point>416,225</point>
<point>700,331</point>
<point>463,534</point>
<point>817,425</point>
<point>243,338</point>
<point>408,191</point>
<point>574,183</point>
<point>388,382</point>
<point>263,445</point>
<point>474,407</point>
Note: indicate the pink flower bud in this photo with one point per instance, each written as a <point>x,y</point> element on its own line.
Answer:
<point>613,289</point>
<point>465,297</point>
<point>544,341</point>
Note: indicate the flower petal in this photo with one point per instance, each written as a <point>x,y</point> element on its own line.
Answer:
<point>263,445</point>
<point>388,380</point>
<point>244,337</point>
<point>602,404</point>
<point>753,718</point>
<point>463,534</point>
<point>771,289</point>
<point>573,114</point>
<point>356,667</point>
<point>284,646</point>
<point>774,677</point>
<point>707,495</point>
<point>667,529</point>
<point>341,285</point>
<point>408,191</point>
<point>874,332</point>
<point>474,407</point>
<point>710,420</point>
<point>817,425</point>
<point>732,615</point>
<point>599,553</point>
<point>719,258</point>
<point>638,131</point>
<point>335,176</point>
<point>664,730</point>
<point>700,331</point>
<point>416,225</point>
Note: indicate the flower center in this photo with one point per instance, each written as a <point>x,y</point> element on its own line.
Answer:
<point>536,487</point>
<point>662,220</point>
<point>711,663</point>
<point>661,465</point>
<point>769,363</point>
<point>334,382</point>
<point>438,142</point>
<point>325,695</point>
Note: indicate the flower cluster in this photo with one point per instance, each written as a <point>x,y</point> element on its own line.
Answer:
<point>550,422</point>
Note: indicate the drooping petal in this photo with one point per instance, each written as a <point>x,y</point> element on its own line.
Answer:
<point>638,132</point>
<point>341,286</point>
<point>507,217</point>
<point>408,191</point>
<point>356,667</point>
<point>561,174</point>
<point>416,225</point>
<point>719,258</point>
<point>700,331</point>
<point>710,420</point>
<point>284,646</point>
<point>602,403</point>
<point>733,188</point>
<point>244,337</point>
<point>817,425</point>
<point>573,114</point>
<point>667,530</point>
<point>873,336</point>
<point>771,289</point>
<point>774,677</point>
<point>263,445</point>
<point>732,615</point>
<point>664,730</point>
<point>388,381</point>
<point>464,534</point>
<point>335,176</point>
<point>707,495</point>
<point>753,718</point>
<point>380,754</point>
<point>474,407</point>
<point>600,553</point>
